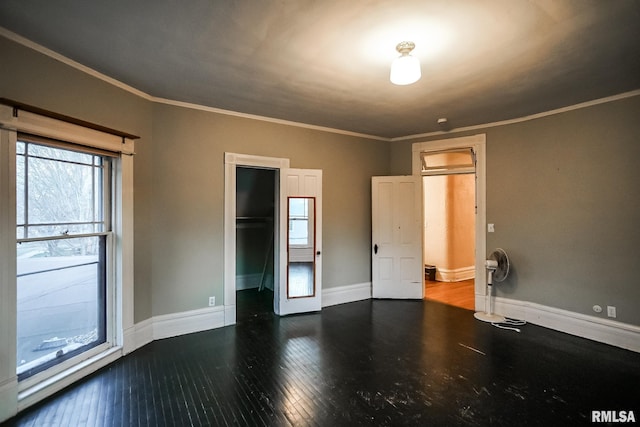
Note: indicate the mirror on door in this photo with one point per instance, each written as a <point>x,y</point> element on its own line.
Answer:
<point>301,247</point>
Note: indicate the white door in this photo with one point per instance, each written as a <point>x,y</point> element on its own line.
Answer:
<point>396,237</point>
<point>300,288</point>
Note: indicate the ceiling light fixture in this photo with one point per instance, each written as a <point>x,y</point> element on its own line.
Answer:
<point>405,69</point>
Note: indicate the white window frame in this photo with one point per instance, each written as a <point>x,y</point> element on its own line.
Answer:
<point>110,341</point>
<point>16,396</point>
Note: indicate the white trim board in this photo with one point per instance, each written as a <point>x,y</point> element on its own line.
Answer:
<point>344,294</point>
<point>187,322</point>
<point>176,324</point>
<point>484,126</point>
<point>594,328</point>
<point>456,274</point>
<point>54,384</point>
<point>231,162</point>
<point>8,398</point>
<point>478,143</point>
<point>67,61</point>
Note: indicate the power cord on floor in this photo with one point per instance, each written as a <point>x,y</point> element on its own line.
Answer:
<point>510,324</point>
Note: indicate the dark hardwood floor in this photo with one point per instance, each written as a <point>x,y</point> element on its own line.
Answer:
<point>374,363</point>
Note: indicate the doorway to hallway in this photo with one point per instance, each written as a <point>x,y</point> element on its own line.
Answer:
<point>449,212</point>
<point>458,294</point>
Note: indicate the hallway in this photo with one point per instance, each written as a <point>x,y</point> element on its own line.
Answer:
<point>458,294</point>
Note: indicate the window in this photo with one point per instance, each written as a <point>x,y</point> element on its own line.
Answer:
<point>66,250</point>
<point>449,161</point>
<point>63,211</point>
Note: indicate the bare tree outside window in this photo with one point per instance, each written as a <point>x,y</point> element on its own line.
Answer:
<point>61,254</point>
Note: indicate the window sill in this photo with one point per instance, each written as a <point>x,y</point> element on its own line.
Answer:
<point>57,382</point>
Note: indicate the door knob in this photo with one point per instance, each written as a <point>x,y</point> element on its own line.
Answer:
<point>318,253</point>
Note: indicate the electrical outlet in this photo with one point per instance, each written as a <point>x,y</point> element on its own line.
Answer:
<point>212,301</point>
<point>611,311</point>
<point>491,228</point>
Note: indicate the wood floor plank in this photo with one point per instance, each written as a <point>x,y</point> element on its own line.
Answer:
<point>374,362</point>
<point>458,294</point>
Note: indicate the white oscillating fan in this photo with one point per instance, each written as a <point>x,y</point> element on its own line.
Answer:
<point>498,270</point>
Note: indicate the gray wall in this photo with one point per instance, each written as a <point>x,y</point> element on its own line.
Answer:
<point>563,193</point>
<point>32,78</point>
<point>188,198</point>
<point>179,181</point>
<point>560,189</point>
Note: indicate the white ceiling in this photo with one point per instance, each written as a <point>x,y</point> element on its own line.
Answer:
<point>326,63</point>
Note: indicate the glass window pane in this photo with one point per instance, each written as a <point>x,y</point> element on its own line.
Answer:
<point>447,160</point>
<point>36,231</point>
<point>60,154</point>
<point>61,282</point>
<point>59,192</point>
<point>60,310</point>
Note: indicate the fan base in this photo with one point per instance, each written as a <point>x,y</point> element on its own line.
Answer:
<point>491,318</point>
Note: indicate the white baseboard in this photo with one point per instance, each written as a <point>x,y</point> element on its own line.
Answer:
<point>594,328</point>
<point>455,275</point>
<point>229,315</point>
<point>187,322</point>
<point>143,334</point>
<point>345,294</point>
<point>8,398</point>
<point>175,324</point>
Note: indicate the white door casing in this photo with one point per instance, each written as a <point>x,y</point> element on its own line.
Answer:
<point>300,183</point>
<point>478,143</point>
<point>396,237</point>
<point>231,162</point>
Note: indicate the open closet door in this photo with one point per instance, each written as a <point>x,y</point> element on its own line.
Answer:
<point>300,287</point>
<point>396,237</point>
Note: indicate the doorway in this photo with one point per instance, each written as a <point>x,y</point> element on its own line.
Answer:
<point>449,238</point>
<point>288,183</point>
<point>232,162</point>
<point>477,145</point>
<point>255,242</point>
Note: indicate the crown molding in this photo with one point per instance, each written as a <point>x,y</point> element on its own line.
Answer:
<point>61,58</point>
<point>266,119</point>
<point>579,106</point>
